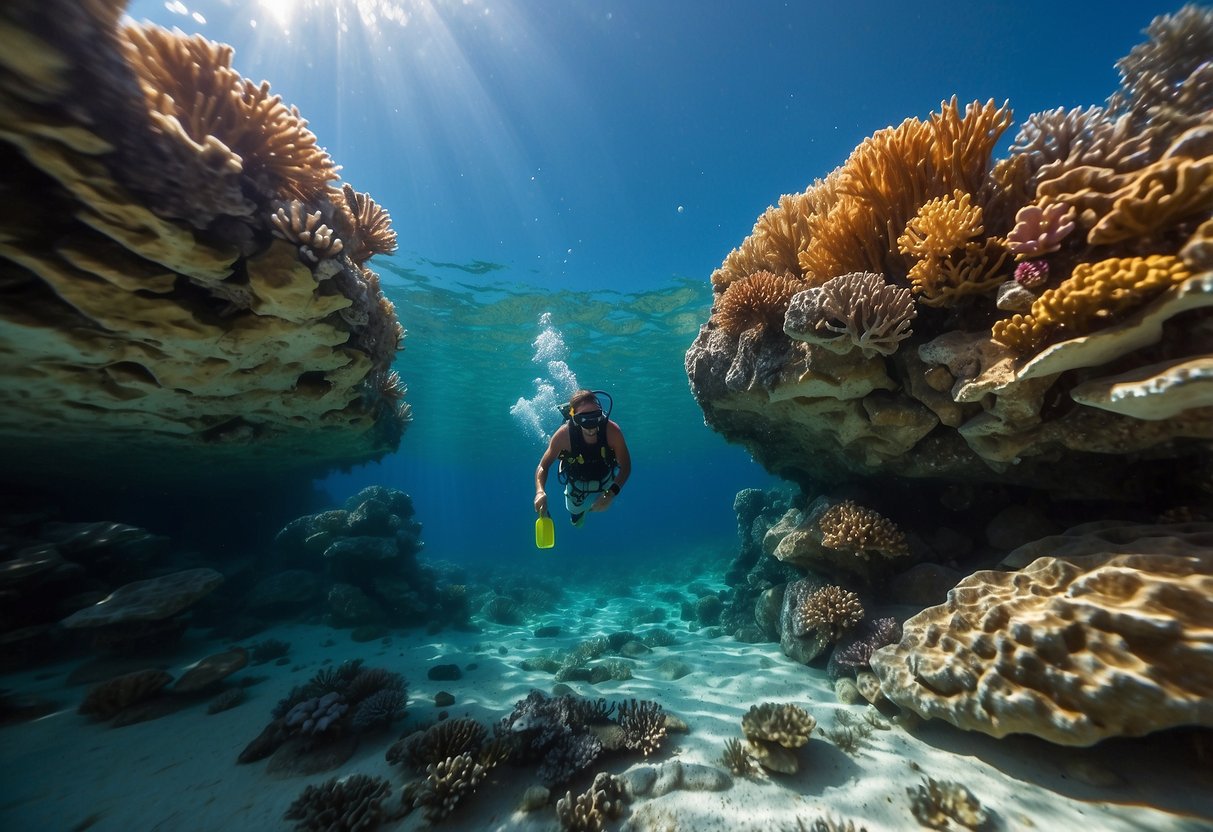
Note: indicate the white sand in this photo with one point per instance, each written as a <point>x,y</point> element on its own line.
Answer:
<point>179,772</point>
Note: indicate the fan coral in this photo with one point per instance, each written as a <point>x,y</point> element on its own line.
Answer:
<point>935,804</point>
<point>643,725</point>
<point>191,89</point>
<point>888,178</point>
<point>350,803</point>
<point>831,610</point>
<point>447,783</point>
<point>371,226</point>
<point>315,716</point>
<point>941,226</point>
<point>373,680</point>
<point>379,709</point>
<point>852,310</point>
<point>1040,230</point>
<point>315,239</point>
<point>589,812</point>
<point>785,724</point>
<point>853,528</point>
<point>760,300</point>
<point>775,242</point>
<point>1094,295</point>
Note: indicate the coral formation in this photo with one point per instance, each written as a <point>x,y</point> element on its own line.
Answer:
<point>590,811</point>
<point>347,804</point>
<point>448,738</point>
<point>371,227</point>
<point>317,715</point>
<point>315,240</point>
<point>774,731</point>
<point>857,655</point>
<point>184,334</point>
<point>853,528</point>
<point>643,725</point>
<point>735,757</point>
<point>857,310</point>
<point>937,804</point>
<point>830,610</point>
<point>758,300</point>
<point>107,698</point>
<point>447,783</point>
<point>1100,640</point>
<point>1100,213</point>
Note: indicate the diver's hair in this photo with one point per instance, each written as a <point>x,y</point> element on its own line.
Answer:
<point>583,396</point>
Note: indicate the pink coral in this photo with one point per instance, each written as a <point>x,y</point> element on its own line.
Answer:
<point>1032,274</point>
<point>1040,230</point>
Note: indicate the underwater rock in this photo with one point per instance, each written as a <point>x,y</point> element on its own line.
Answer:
<point>150,600</point>
<point>211,670</point>
<point>444,673</point>
<point>673,775</point>
<point>362,549</point>
<point>767,610</point>
<point>1039,637</point>
<point>349,606</point>
<point>807,647</point>
<point>923,584</point>
<point>672,669</point>
<point>108,698</point>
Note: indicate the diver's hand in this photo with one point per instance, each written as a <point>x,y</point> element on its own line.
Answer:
<point>603,502</point>
<point>541,502</point>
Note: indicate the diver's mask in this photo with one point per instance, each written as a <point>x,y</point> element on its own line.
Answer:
<point>590,420</point>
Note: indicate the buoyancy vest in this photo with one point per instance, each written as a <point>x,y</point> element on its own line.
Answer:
<point>588,462</point>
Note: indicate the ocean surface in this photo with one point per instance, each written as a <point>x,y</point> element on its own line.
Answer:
<point>563,177</point>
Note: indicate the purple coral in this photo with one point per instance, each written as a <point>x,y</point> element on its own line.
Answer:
<point>380,708</point>
<point>1032,274</point>
<point>1040,230</point>
<point>315,716</point>
<point>857,655</point>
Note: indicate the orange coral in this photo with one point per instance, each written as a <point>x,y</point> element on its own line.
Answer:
<point>371,226</point>
<point>774,244</point>
<point>1095,294</point>
<point>191,89</point>
<point>758,300</point>
<point>941,226</point>
<point>851,527</point>
<point>941,281</point>
<point>888,178</point>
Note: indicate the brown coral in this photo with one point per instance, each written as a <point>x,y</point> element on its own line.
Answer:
<point>1095,295</point>
<point>784,724</point>
<point>939,804</point>
<point>371,226</point>
<point>353,802</point>
<point>976,269</point>
<point>941,226</point>
<point>858,310</point>
<point>853,528</point>
<point>760,300</point>
<point>831,610</point>
<point>774,244</point>
<point>315,240</point>
<point>191,87</point>
<point>590,811</point>
<point>446,785</point>
<point>643,725</point>
<point>449,738</point>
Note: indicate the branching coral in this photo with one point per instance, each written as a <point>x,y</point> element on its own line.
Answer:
<point>191,90</point>
<point>446,784</point>
<point>379,709</point>
<point>974,270</point>
<point>854,528</point>
<point>735,757</point>
<point>351,803</point>
<point>1094,295</point>
<point>941,226</point>
<point>760,300</point>
<point>590,811</point>
<point>858,654</point>
<point>643,725</point>
<point>858,310</point>
<point>1040,230</point>
<point>888,178</point>
<point>371,226</point>
<point>315,240</point>
<point>831,610</point>
<point>448,738</point>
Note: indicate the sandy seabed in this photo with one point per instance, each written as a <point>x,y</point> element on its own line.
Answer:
<point>179,772</point>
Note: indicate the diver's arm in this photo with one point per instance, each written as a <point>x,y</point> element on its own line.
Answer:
<point>620,446</point>
<point>545,462</point>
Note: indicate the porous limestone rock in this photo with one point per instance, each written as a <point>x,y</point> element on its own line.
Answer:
<point>1074,648</point>
<point>151,600</point>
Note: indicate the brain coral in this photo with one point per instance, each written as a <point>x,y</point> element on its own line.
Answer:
<point>1072,650</point>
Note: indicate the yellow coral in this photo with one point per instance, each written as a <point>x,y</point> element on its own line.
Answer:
<point>1094,295</point>
<point>941,226</point>
<point>758,300</point>
<point>941,281</point>
<point>1165,192</point>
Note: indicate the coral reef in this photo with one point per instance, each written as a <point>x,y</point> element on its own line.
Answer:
<point>1101,639</point>
<point>853,528</point>
<point>448,738</point>
<point>1096,222</point>
<point>146,285</point>
<point>446,785</point>
<point>643,725</point>
<point>341,805</point>
<point>831,609</point>
<point>773,731</point>
<point>857,655</point>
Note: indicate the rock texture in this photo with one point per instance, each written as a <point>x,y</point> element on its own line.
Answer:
<point>154,318</point>
<point>1074,648</point>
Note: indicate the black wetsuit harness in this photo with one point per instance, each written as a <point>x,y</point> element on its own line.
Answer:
<point>586,462</point>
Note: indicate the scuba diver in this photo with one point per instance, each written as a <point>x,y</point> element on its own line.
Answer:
<point>594,458</point>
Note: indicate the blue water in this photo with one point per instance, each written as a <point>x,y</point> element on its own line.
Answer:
<point>547,157</point>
